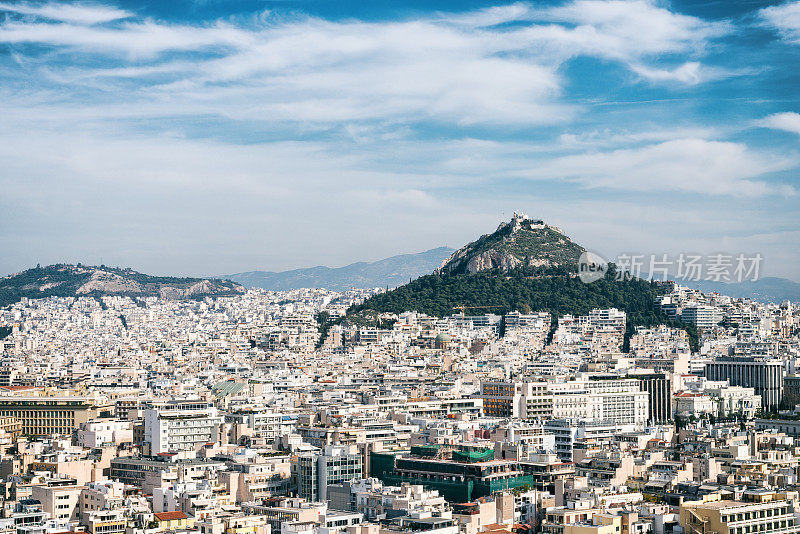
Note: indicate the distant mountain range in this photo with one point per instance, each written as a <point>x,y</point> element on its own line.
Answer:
<point>507,248</point>
<point>64,280</point>
<point>514,245</point>
<point>390,272</point>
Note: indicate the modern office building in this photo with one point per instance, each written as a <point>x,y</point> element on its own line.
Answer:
<point>334,465</point>
<point>659,394</point>
<point>791,391</point>
<point>459,473</point>
<point>765,376</point>
<point>502,398</point>
<point>47,416</point>
<point>621,401</point>
<point>514,398</point>
<point>611,399</point>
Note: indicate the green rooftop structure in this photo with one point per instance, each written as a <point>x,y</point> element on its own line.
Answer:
<point>460,474</point>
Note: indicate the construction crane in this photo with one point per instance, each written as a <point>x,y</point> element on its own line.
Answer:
<point>462,308</point>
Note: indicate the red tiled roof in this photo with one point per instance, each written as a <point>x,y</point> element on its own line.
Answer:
<point>170,516</point>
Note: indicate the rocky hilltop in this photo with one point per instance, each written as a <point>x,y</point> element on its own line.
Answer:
<point>64,280</point>
<point>520,242</point>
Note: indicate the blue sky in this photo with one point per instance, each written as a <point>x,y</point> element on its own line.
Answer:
<point>211,136</point>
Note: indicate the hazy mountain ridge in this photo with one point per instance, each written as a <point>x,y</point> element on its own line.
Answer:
<point>390,272</point>
<point>65,280</point>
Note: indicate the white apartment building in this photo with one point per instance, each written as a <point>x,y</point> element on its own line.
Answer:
<point>568,431</point>
<point>181,425</point>
<point>105,432</point>
<point>608,319</point>
<point>620,401</point>
<point>702,316</point>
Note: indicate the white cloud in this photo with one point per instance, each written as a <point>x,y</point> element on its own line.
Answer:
<point>139,39</point>
<point>688,73</point>
<point>360,90</point>
<point>161,203</point>
<point>784,18</point>
<point>490,16</point>
<point>158,201</point>
<point>393,199</point>
<point>788,122</point>
<point>77,13</point>
<point>686,165</point>
<point>608,137</point>
<point>629,30</point>
<point>461,69</point>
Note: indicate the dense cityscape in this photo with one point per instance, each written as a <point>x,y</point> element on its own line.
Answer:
<point>399,267</point>
<point>285,412</point>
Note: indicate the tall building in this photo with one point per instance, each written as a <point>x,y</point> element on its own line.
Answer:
<point>659,394</point>
<point>181,425</point>
<point>765,376</point>
<point>334,465</point>
<point>502,398</point>
<point>620,401</point>
<point>516,398</point>
<point>791,391</point>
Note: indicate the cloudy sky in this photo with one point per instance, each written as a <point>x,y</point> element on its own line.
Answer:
<point>204,137</point>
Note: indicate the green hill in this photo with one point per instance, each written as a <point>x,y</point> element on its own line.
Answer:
<point>541,277</point>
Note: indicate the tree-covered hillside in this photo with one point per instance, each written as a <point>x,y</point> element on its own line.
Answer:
<point>557,293</point>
